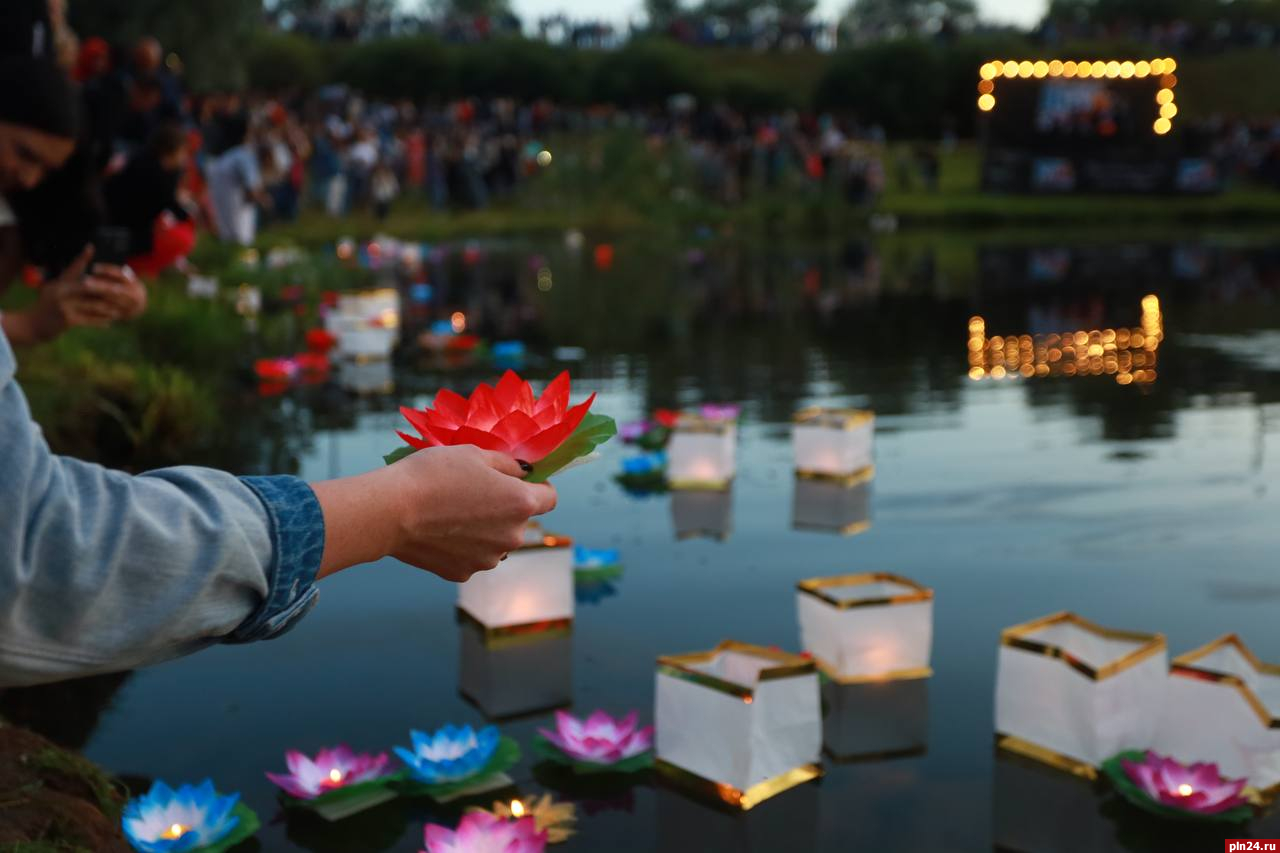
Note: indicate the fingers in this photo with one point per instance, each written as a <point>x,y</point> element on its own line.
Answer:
<point>542,498</point>
<point>504,464</point>
<point>77,267</point>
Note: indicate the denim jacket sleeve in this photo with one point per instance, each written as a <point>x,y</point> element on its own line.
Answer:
<point>103,571</point>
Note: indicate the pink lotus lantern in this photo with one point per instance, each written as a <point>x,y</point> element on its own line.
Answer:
<point>337,782</point>
<point>483,832</point>
<point>1167,787</point>
<point>599,742</point>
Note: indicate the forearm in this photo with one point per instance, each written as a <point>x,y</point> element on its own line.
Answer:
<point>26,328</point>
<point>360,522</point>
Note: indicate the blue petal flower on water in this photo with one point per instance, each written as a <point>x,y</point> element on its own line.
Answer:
<point>594,558</point>
<point>647,463</point>
<point>205,816</point>
<point>450,754</point>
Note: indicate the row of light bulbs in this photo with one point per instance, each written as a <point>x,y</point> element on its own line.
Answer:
<point>1099,69</point>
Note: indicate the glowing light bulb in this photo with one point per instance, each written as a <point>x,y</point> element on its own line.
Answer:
<point>1162,126</point>
<point>988,71</point>
<point>1164,96</point>
<point>335,775</point>
<point>987,103</point>
<point>517,809</point>
<point>1185,790</point>
<point>175,831</point>
<point>544,158</point>
<point>459,322</point>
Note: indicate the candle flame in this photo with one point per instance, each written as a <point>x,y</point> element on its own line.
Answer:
<point>335,775</point>
<point>175,831</point>
<point>1185,790</point>
<point>517,809</point>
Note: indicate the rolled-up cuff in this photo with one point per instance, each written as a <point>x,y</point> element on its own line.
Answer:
<point>297,536</point>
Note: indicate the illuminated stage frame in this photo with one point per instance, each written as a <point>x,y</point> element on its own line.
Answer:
<point>1040,69</point>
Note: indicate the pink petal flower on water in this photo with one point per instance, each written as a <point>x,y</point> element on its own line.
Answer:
<point>600,739</point>
<point>484,832</point>
<point>330,769</point>
<point>1198,788</point>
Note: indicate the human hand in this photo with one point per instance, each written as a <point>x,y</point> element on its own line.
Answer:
<point>119,289</point>
<point>453,511</point>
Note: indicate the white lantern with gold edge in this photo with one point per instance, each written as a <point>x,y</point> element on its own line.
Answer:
<point>873,626</point>
<point>367,324</point>
<point>824,506</point>
<point>366,376</point>
<point>702,514</point>
<point>1073,694</point>
<point>1222,705</point>
<point>834,444</point>
<point>702,453</point>
<point>529,591</point>
<point>514,675</point>
<point>739,723</point>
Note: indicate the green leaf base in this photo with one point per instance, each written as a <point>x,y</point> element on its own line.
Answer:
<point>344,802</point>
<point>245,829</point>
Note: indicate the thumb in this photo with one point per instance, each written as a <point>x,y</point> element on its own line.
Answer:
<point>504,464</point>
<point>77,267</point>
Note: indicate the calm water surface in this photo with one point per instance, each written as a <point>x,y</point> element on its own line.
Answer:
<point>1149,507</point>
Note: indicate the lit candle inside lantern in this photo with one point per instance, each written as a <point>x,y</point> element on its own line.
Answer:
<point>335,776</point>
<point>175,831</point>
<point>517,809</point>
<point>1185,790</point>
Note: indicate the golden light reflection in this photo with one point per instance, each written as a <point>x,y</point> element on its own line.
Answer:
<point>517,809</point>
<point>1128,354</point>
<point>1128,69</point>
<point>175,831</point>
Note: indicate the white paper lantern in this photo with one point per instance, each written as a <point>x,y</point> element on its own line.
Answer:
<point>739,723</point>
<point>1039,809</point>
<point>834,443</point>
<point>365,376</point>
<point>788,823</point>
<point>702,453</point>
<point>1073,694</point>
<point>702,514</point>
<point>1222,705</point>
<point>825,506</point>
<point>515,675</point>
<point>529,591</point>
<point>875,720</point>
<point>867,627</point>
<point>367,325</point>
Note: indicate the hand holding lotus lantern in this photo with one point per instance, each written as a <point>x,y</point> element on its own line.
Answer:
<point>544,431</point>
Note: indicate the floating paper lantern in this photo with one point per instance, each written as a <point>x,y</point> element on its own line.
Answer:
<point>530,591</point>
<point>834,444</point>
<point>701,453</point>
<point>1073,694</point>
<point>702,514</point>
<point>875,720</point>
<point>789,823</point>
<point>1038,808</point>
<point>514,675</point>
<point>1222,705</point>
<point>825,506</point>
<point>867,627</point>
<point>366,376</point>
<point>367,325</point>
<point>739,723</point>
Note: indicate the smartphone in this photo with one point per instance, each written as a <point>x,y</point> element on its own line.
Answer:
<point>111,245</point>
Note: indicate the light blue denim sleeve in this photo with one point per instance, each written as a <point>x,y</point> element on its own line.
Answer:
<point>102,571</point>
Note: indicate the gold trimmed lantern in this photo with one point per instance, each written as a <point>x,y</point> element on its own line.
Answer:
<point>824,506</point>
<point>366,376</point>
<point>702,453</point>
<point>1073,694</point>
<point>739,723</point>
<point>873,626</point>
<point>834,444</point>
<point>529,592</point>
<point>514,675</point>
<point>367,324</point>
<point>1222,705</point>
<point>702,514</point>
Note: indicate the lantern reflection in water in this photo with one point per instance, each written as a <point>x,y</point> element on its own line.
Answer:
<point>1128,354</point>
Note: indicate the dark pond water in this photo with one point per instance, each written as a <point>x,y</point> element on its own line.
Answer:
<point>1150,507</point>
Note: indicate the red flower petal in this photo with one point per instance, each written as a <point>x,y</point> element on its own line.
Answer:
<point>514,394</point>
<point>451,405</point>
<point>421,420</point>
<point>414,442</point>
<point>481,439</point>
<point>555,396</point>
<point>548,440</point>
<point>516,428</point>
<point>483,410</point>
